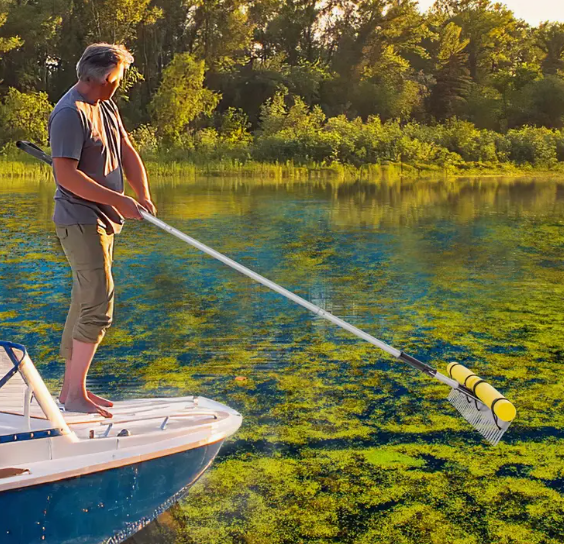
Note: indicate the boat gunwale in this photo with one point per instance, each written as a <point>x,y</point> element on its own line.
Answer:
<point>19,482</point>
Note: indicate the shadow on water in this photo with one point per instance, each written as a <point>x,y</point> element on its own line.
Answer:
<point>339,442</point>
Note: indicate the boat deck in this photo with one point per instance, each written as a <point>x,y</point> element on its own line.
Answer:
<point>156,410</point>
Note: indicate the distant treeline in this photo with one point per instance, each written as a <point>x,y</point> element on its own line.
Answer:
<point>354,82</point>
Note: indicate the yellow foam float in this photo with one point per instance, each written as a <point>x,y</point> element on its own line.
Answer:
<point>490,396</point>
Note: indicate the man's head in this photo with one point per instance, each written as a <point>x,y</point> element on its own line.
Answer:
<point>102,67</point>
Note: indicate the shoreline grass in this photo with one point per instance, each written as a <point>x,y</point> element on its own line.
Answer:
<point>30,168</point>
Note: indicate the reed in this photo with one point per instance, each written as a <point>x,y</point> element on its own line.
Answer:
<point>188,170</point>
<point>31,169</point>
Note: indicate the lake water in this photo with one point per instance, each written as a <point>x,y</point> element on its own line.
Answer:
<point>340,443</point>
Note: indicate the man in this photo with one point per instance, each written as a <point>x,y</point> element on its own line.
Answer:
<point>91,151</point>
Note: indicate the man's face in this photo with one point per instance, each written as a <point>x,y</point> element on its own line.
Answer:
<point>113,79</point>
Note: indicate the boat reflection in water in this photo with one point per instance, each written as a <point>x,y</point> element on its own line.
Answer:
<point>81,478</point>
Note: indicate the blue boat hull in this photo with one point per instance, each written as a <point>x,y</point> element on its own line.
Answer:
<point>106,506</point>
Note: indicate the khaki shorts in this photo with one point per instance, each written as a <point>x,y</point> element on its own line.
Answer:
<point>89,251</point>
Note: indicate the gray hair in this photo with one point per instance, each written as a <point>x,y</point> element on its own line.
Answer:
<point>99,59</point>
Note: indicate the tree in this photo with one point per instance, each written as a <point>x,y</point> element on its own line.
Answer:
<point>539,103</point>
<point>26,67</point>
<point>181,97</point>
<point>219,32</point>
<point>494,34</point>
<point>117,21</point>
<point>370,44</point>
<point>550,40</point>
<point>88,21</point>
<point>450,72</point>
<point>10,42</point>
<point>294,30</point>
<point>373,37</point>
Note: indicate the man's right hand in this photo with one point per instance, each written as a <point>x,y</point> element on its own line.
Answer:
<point>128,207</point>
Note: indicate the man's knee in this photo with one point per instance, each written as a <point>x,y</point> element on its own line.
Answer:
<point>96,308</point>
<point>91,327</point>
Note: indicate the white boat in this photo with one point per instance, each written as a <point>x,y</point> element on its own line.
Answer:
<point>69,477</point>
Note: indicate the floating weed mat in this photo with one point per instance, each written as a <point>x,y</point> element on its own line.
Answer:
<point>408,494</point>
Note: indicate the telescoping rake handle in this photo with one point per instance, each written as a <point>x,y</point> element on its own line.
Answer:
<point>487,410</point>
<point>299,300</point>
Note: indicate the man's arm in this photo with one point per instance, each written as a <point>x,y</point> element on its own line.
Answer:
<point>66,136</point>
<point>80,184</point>
<point>136,174</point>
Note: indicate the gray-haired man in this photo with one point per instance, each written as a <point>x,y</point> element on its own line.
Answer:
<point>91,151</point>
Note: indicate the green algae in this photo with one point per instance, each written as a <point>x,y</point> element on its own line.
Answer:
<point>386,494</point>
<point>340,443</point>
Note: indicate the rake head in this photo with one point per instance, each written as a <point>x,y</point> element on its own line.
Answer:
<point>482,418</point>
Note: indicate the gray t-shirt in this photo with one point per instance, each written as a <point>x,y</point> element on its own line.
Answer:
<point>91,134</point>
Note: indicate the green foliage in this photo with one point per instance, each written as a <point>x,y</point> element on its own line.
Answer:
<point>462,138</point>
<point>303,135</point>
<point>220,31</point>
<point>273,114</point>
<point>391,99</point>
<point>181,98</point>
<point>9,43</point>
<point>291,31</point>
<point>270,80</point>
<point>293,133</point>
<point>492,32</point>
<point>144,137</point>
<point>306,80</point>
<point>117,21</point>
<point>450,72</point>
<point>550,40</point>
<point>234,127</point>
<point>533,145</point>
<point>484,106</point>
<point>540,103</point>
<point>23,116</point>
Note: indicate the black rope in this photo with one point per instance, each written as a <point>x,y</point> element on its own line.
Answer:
<point>478,382</point>
<point>493,411</point>
<point>469,376</point>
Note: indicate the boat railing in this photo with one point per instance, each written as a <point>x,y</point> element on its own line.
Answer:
<point>163,419</point>
<point>34,388</point>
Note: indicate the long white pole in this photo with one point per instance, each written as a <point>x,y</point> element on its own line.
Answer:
<point>270,284</point>
<point>39,154</point>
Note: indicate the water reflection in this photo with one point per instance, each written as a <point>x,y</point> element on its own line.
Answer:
<point>339,444</point>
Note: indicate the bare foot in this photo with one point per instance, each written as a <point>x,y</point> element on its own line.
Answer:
<point>100,401</point>
<point>84,405</point>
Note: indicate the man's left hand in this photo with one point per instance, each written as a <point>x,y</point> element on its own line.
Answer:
<point>148,205</point>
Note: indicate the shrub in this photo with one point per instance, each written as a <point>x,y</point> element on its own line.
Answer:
<point>532,145</point>
<point>145,139</point>
<point>24,116</point>
<point>300,134</point>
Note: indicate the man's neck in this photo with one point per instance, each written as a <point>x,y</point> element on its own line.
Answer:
<point>87,92</point>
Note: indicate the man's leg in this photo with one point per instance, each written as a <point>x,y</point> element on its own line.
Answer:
<point>77,398</point>
<point>66,341</point>
<point>88,251</point>
<point>100,401</point>
<point>67,351</point>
